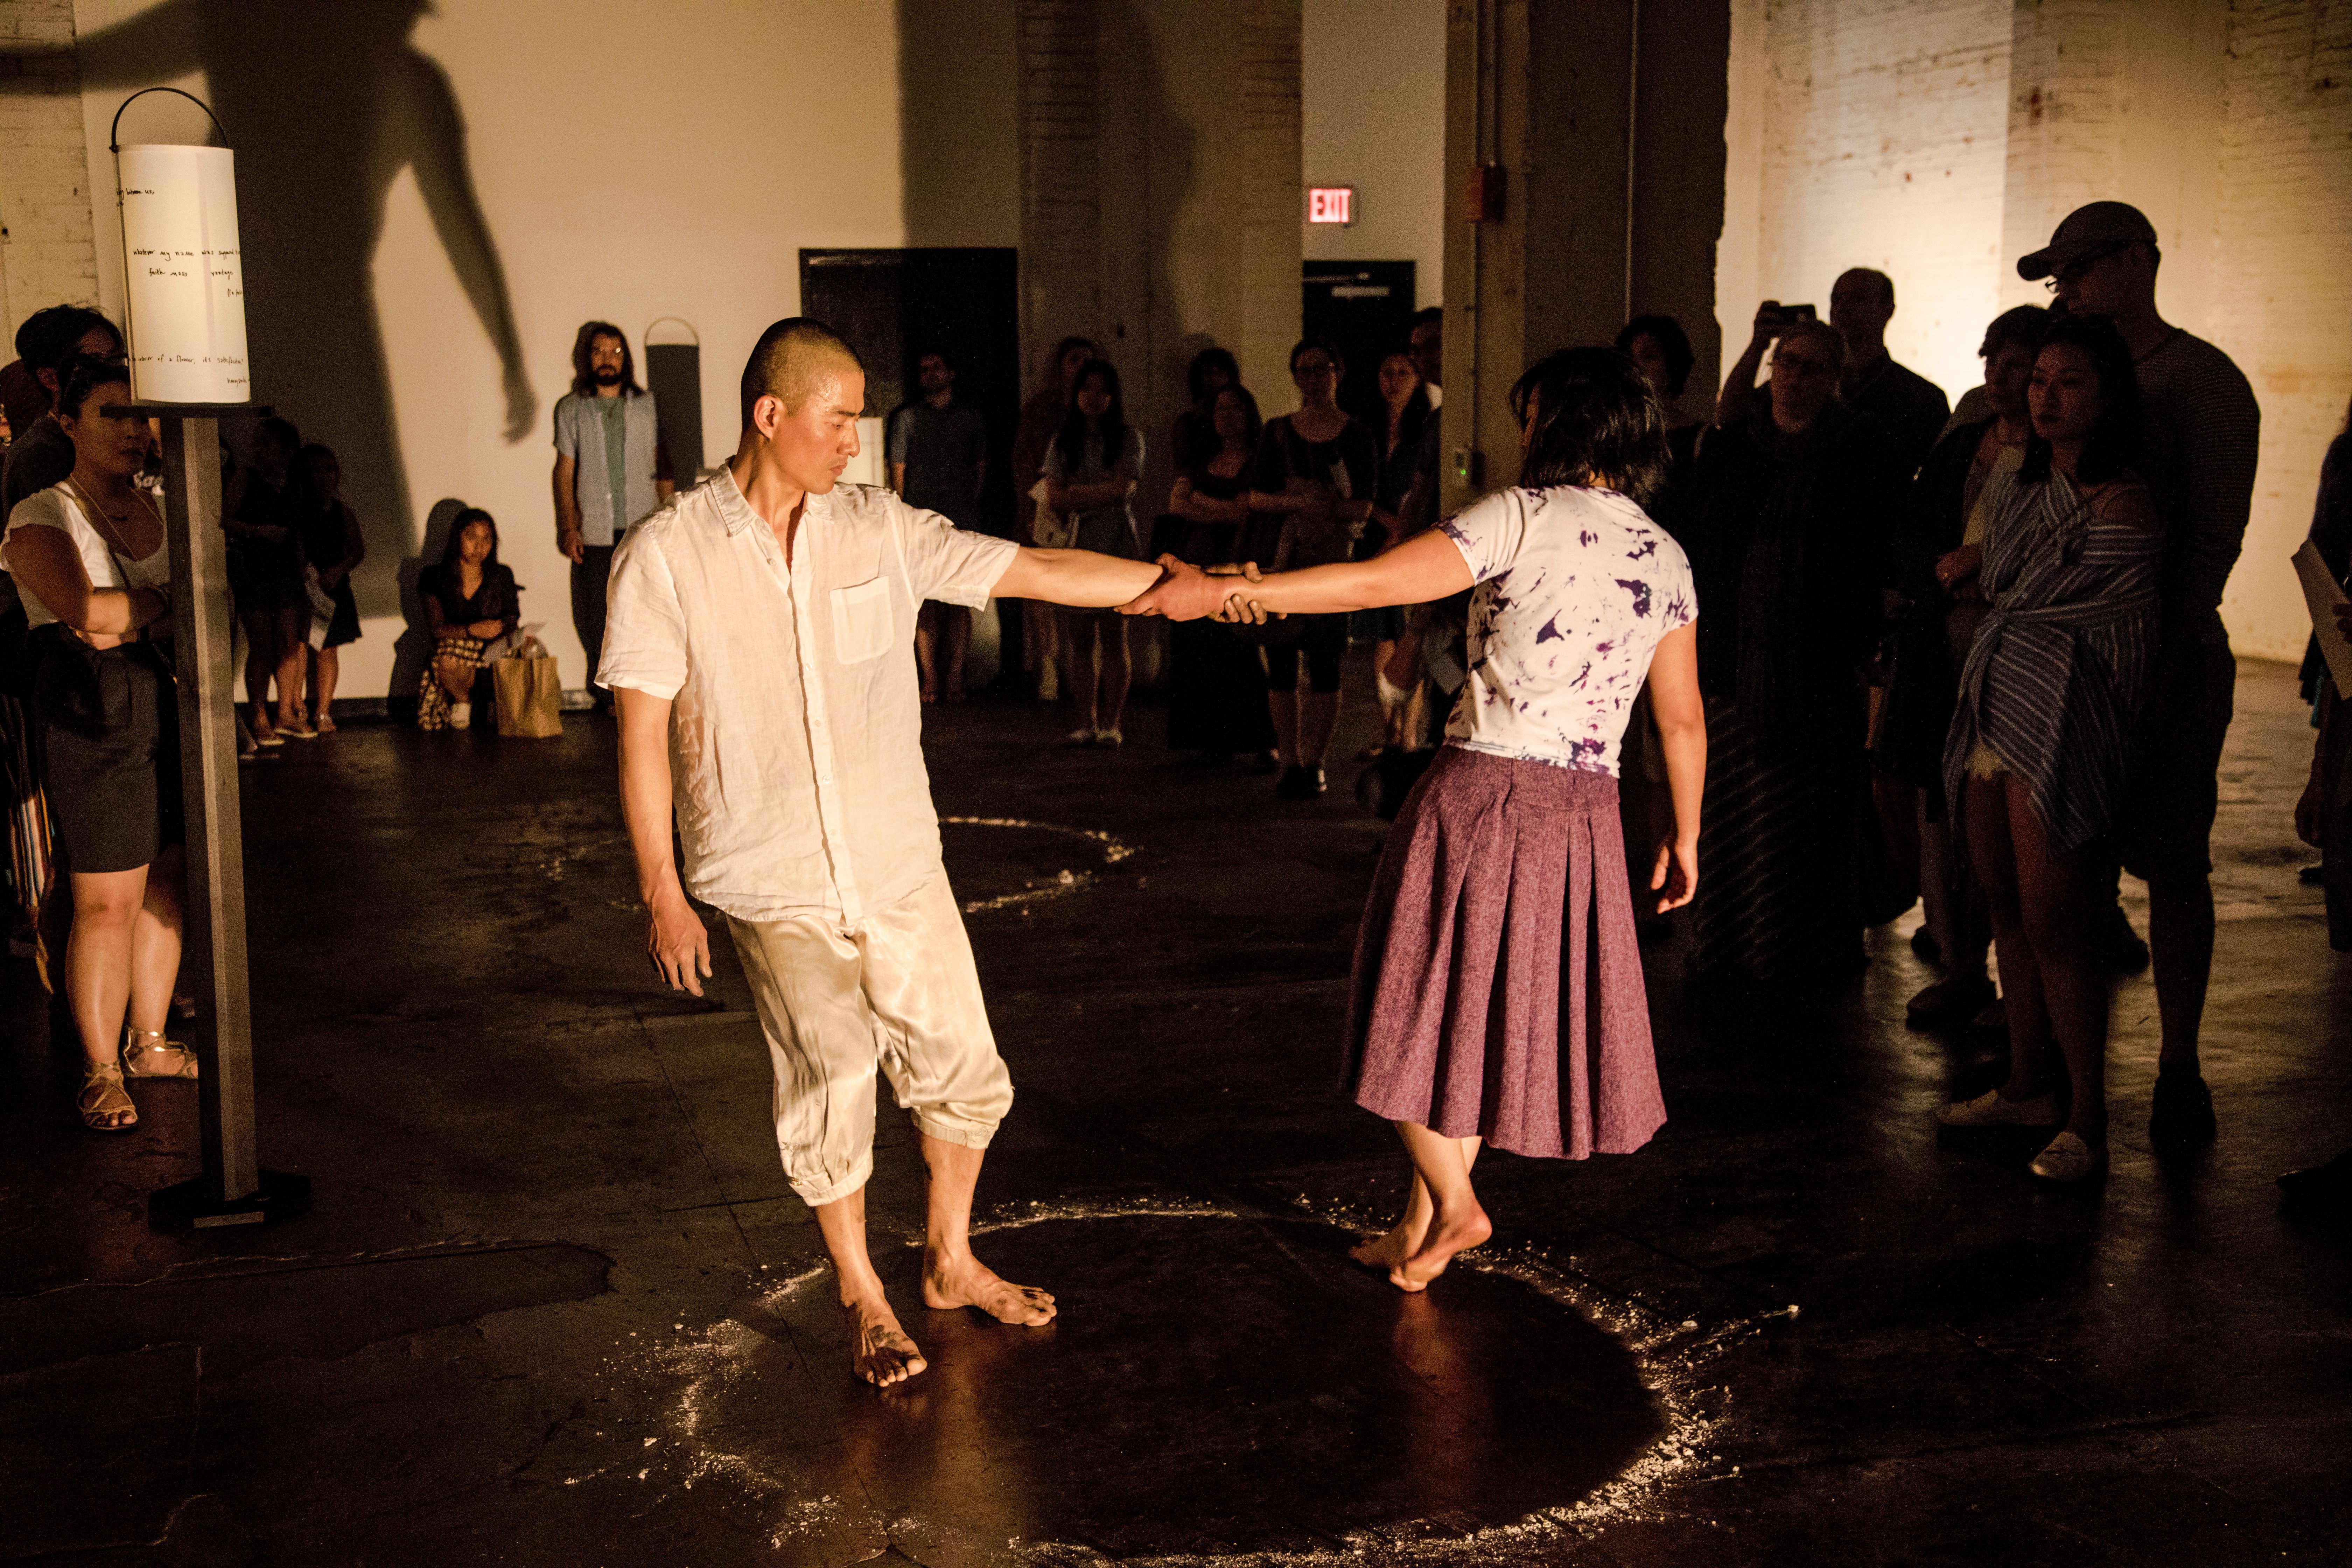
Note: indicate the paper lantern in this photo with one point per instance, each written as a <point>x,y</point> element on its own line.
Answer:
<point>184,278</point>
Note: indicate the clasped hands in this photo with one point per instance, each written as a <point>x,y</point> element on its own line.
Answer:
<point>1189,592</point>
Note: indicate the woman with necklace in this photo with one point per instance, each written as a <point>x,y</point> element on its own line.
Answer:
<point>90,557</point>
<point>470,603</point>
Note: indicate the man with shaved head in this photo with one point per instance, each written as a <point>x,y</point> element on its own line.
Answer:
<point>759,647</point>
<point>1910,409</point>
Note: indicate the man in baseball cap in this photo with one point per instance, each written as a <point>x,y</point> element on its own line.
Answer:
<point>2089,234</point>
<point>2200,428</point>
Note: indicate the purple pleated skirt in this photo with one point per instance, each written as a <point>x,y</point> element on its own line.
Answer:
<point>1497,988</point>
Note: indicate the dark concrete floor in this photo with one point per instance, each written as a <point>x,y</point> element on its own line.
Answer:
<point>555,1305</point>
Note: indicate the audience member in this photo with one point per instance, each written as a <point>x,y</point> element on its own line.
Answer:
<point>1430,655</point>
<point>261,512</point>
<point>48,342</point>
<point>1040,420</point>
<point>1317,473</point>
<point>471,605</point>
<point>1193,438</point>
<point>611,470</point>
<point>1910,409</point>
<point>332,543</point>
<point>92,560</point>
<point>2041,739</point>
<point>1404,409</point>
<point>937,450</point>
<point>1786,513</point>
<point>1940,549</point>
<point>1661,351</point>
<point>1216,701</point>
<point>1090,470</point>
<point>2200,434</point>
<point>2323,818</point>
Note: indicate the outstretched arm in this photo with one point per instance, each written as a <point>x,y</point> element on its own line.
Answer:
<point>1424,567</point>
<point>676,939</point>
<point>1681,714</point>
<point>1739,384</point>
<point>1081,579</point>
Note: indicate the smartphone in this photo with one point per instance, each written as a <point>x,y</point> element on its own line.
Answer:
<point>1793,314</point>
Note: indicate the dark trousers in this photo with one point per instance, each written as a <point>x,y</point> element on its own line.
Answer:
<point>590,577</point>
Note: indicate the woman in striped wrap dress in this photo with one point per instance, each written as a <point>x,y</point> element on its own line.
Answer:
<point>2039,744</point>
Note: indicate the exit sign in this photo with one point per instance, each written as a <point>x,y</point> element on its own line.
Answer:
<point>1331,204</point>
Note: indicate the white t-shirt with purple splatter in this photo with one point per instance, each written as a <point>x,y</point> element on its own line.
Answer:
<point>1575,588</point>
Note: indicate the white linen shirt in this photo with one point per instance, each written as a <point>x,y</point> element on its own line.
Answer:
<point>1575,589</point>
<point>796,743</point>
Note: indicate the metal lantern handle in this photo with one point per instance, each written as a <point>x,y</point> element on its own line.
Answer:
<point>113,142</point>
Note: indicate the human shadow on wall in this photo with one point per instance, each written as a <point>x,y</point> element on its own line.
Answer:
<point>325,106</point>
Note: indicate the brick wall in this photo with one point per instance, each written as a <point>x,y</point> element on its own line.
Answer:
<point>1883,125</point>
<point>2284,306</point>
<point>48,256</point>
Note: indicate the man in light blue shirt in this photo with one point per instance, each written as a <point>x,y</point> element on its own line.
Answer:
<point>611,470</point>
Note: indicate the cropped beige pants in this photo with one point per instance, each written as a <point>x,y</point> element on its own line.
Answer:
<point>899,993</point>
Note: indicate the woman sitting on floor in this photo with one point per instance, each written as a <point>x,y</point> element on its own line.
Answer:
<point>2039,743</point>
<point>1498,994</point>
<point>470,607</point>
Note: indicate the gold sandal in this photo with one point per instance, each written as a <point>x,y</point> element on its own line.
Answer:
<point>147,1054</point>
<point>103,1099</point>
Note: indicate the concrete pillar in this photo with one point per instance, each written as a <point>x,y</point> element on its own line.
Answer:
<point>1160,194</point>
<point>1605,120</point>
<point>50,256</point>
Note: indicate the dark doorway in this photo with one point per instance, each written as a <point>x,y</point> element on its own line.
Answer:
<point>896,305</point>
<point>1363,308</point>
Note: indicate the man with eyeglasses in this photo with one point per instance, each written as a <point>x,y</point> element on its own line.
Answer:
<point>2200,429</point>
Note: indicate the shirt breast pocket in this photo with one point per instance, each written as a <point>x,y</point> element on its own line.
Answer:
<point>861,621</point>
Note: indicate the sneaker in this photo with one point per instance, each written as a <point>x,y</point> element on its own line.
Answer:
<point>2182,1112</point>
<point>2070,1159</point>
<point>1990,1109</point>
<point>461,715</point>
<point>1299,783</point>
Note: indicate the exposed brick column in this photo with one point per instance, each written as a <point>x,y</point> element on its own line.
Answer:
<point>50,254</point>
<point>1268,68</point>
<point>1061,176</point>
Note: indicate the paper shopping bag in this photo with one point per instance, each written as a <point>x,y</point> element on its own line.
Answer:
<point>530,696</point>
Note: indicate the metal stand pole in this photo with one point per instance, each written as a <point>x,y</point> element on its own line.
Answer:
<point>233,1188</point>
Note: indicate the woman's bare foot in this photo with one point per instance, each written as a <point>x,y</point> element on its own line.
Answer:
<point>1389,1250</point>
<point>972,1283</point>
<point>1447,1236</point>
<point>885,1355</point>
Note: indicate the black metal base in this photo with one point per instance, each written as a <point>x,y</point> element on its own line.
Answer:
<point>197,1205</point>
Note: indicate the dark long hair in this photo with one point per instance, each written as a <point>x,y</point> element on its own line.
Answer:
<point>2112,444</point>
<point>1597,419</point>
<point>466,519</point>
<point>583,379</point>
<point>1196,374</point>
<point>1254,425</point>
<point>1673,343</point>
<point>1072,437</point>
<point>85,374</point>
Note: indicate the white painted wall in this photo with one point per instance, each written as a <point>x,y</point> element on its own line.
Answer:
<point>1373,116</point>
<point>633,162</point>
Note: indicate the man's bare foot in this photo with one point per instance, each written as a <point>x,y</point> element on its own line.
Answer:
<point>885,1355</point>
<point>972,1283</point>
<point>1389,1249</point>
<point>1447,1236</point>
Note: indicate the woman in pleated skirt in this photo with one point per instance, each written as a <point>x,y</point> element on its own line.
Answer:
<point>1497,993</point>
